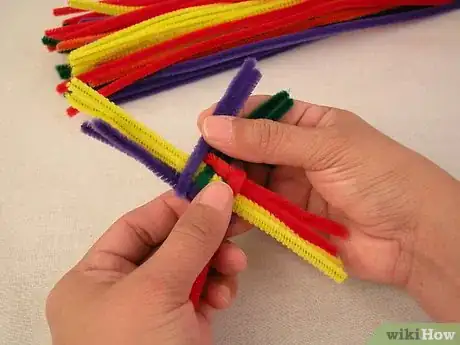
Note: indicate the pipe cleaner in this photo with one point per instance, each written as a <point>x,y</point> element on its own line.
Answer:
<point>230,104</point>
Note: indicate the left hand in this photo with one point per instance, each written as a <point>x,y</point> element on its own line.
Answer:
<point>131,288</point>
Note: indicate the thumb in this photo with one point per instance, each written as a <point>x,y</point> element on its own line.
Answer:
<point>194,240</point>
<point>270,142</point>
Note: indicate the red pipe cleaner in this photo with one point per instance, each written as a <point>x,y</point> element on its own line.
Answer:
<point>299,220</point>
<point>77,42</point>
<point>198,286</point>
<point>59,32</point>
<point>64,11</point>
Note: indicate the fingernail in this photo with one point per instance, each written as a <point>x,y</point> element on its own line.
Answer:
<point>218,128</point>
<point>217,195</point>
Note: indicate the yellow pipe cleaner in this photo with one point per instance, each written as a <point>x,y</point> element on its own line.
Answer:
<point>100,7</point>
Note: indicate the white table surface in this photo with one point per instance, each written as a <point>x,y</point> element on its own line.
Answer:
<point>59,190</point>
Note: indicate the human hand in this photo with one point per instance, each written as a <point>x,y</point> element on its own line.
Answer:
<point>131,288</point>
<point>392,200</point>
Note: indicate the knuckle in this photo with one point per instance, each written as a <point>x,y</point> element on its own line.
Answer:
<point>145,237</point>
<point>193,233</point>
<point>328,116</point>
<point>268,135</point>
<point>319,115</point>
<point>196,226</point>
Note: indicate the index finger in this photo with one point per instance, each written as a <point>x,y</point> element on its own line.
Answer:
<point>292,117</point>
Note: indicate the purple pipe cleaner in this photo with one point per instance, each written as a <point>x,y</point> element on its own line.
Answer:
<point>105,133</point>
<point>88,129</point>
<point>233,100</point>
<point>165,82</point>
<point>279,44</point>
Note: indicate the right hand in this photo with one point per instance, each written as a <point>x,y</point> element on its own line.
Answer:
<point>400,208</point>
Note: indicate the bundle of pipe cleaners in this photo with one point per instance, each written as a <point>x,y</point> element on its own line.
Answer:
<point>121,50</point>
<point>128,49</point>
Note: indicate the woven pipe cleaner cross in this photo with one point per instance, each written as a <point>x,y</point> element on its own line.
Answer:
<point>289,224</point>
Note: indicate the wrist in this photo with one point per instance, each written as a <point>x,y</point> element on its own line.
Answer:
<point>434,279</point>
